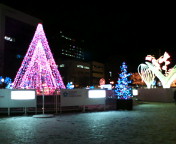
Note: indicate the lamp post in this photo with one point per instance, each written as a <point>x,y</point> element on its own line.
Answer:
<point>43,100</point>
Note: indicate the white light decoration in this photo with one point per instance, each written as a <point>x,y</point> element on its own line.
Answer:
<point>135,92</point>
<point>22,95</point>
<point>166,79</point>
<point>96,93</point>
<point>146,74</point>
<point>106,86</point>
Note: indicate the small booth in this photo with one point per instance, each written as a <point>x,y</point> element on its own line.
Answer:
<point>17,98</point>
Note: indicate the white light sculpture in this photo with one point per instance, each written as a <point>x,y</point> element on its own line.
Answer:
<point>166,79</point>
<point>146,74</point>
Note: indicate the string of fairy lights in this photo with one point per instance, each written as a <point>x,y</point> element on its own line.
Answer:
<point>38,69</point>
<point>123,90</point>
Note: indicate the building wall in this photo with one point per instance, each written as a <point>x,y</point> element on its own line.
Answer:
<point>69,47</point>
<point>75,71</point>
<point>81,73</point>
<point>156,94</point>
<point>97,72</point>
<point>16,31</point>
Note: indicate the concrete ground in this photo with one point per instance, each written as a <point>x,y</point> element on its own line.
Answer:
<point>147,123</point>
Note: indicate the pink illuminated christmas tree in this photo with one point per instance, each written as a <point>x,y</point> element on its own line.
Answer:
<point>38,69</point>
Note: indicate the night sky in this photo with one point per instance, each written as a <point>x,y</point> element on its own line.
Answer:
<point>112,31</point>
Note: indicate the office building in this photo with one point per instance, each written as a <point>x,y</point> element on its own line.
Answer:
<point>16,32</point>
<point>68,47</point>
<point>75,71</point>
<point>97,72</point>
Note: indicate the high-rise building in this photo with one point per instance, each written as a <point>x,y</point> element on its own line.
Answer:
<point>69,47</point>
<point>16,32</point>
<point>74,65</point>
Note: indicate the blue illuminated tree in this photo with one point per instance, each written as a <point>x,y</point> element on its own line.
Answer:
<point>123,90</point>
<point>5,82</point>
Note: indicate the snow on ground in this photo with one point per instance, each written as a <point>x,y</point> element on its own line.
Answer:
<point>147,123</point>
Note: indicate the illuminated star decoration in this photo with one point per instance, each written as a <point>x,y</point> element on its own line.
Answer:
<point>38,69</point>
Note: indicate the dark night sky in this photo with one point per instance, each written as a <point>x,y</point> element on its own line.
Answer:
<point>123,32</point>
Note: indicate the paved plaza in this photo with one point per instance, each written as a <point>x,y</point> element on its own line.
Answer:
<point>147,123</point>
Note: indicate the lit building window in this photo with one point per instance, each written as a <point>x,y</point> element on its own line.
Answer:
<point>9,39</point>
<point>61,65</point>
<point>86,67</point>
<point>80,66</point>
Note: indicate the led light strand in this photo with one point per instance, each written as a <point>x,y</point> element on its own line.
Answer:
<point>38,69</point>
